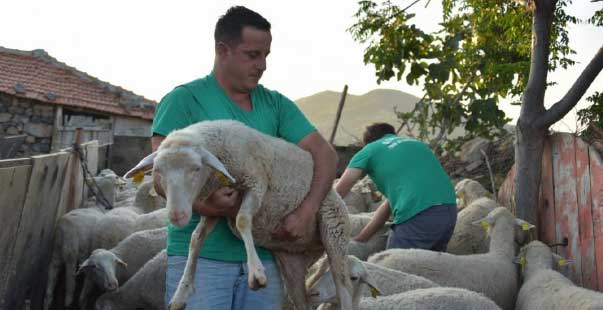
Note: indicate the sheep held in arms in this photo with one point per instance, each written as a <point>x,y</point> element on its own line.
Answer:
<point>274,177</point>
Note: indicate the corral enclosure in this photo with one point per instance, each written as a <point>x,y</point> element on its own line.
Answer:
<point>570,205</point>
<point>34,193</point>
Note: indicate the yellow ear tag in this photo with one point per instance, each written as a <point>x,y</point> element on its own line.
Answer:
<point>222,178</point>
<point>374,292</point>
<point>138,177</point>
<point>89,181</point>
<point>485,225</point>
<point>562,262</point>
<point>525,226</point>
<point>523,261</point>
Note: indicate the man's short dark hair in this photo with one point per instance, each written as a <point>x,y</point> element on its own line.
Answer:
<point>376,131</point>
<point>230,25</point>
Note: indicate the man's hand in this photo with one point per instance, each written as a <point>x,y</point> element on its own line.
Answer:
<point>224,202</point>
<point>298,224</point>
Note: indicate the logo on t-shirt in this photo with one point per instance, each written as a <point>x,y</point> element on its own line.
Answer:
<point>391,142</point>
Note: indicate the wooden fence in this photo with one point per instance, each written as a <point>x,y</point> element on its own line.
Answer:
<point>34,193</point>
<point>570,205</point>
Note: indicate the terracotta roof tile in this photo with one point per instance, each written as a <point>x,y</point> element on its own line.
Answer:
<point>43,78</point>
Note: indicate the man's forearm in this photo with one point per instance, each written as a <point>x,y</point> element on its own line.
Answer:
<point>376,223</point>
<point>325,167</point>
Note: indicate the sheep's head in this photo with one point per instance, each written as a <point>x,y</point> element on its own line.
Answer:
<point>184,170</point>
<point>536,256</point>
<point>100,269</point>
<point>522,229</point>
<point>321,286</point>
<point>468,190</point>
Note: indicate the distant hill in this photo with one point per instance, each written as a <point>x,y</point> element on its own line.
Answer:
<point>358,111</point>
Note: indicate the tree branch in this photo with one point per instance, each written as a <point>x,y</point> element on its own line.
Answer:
<point>533,96</point>
<point>571,98</point>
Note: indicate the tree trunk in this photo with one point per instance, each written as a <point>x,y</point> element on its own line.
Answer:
<point>530,138</point>
<point>528,162</point>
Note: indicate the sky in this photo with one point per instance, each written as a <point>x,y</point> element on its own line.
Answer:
<point>149,47</point>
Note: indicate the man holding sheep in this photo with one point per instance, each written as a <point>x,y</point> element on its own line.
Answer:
<point>419,193</point>
<point>231,91</point>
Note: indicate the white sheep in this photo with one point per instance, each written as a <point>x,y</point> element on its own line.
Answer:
<point>435,298</point>
<point>493,274</point>
<point>468,190</point>
<point>365,277</point>
<point>376,244</point>
<point>106,269</point>
<point>363,197</point>
<point>274,177</point>
<point>468,238</point>
<point>397,290</point>
<point>545,288</point>
<point>144,290</point>
<point>72,244</point>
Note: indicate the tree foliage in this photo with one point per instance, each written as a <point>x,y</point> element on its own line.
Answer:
<point>479,54</point>
<point>592,116</point>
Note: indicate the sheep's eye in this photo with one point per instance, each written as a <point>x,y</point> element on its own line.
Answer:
<point>354,278</point>
<point>197,169</point>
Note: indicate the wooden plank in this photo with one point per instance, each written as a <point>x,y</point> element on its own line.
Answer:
<point>8,163</point>
<point>546,204</point>
<point>29,262</point>
<point>91,152</point>
<point>13,188</point>
<point>566,209</point>
<point>506,193</point>
<point>585,218</point>
<point>596,190</point>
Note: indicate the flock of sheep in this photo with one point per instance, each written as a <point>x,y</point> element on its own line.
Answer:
<point>120,256</point>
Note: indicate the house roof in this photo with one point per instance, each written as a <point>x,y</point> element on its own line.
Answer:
<point>37,75</point>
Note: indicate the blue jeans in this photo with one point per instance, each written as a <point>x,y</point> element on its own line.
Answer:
<point>223,285</point>
<point>430,229</point>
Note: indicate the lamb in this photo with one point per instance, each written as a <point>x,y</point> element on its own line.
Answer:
<point>399,290</point>
<point>106,269</point>
<point>544,288</point>
<point>468,238</point>
<point>468,190</point>
<point>72,244</point>
<point>492,273</point>
<point>263,167</point>
<point>144,290</point>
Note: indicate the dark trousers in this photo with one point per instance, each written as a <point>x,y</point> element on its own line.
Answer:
<point>429,229</point>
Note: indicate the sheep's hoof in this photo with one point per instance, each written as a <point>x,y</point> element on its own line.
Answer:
<point>177,306</point>
<point>257,280</point>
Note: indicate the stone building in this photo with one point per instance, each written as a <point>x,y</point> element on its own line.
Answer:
<point>45,101</point>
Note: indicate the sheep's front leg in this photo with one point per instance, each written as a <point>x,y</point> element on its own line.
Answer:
<point>257,277</point>
<point>186,286</point>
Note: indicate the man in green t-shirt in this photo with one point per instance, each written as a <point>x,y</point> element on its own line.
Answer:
<point>231,91</point>
<point>419,193</point>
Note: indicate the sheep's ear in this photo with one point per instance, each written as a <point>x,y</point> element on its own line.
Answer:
<point>121,262</point>
<point>525,226</point>
<point>485,223</point>
<point>368,280</point>
<point>146,164</point>
<point>560,261</point>
<point>83,266</point>
<point>216,164</point>
<point>520,260</point>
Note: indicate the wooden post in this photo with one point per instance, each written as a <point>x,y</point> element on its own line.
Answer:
<point>74,175</point>
<point>338,116</point>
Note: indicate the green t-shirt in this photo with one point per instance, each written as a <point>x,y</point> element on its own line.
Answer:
<point>203,99</point>
<point>407,172</point>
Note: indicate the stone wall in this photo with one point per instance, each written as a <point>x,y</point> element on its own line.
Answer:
<point>20,116</point>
